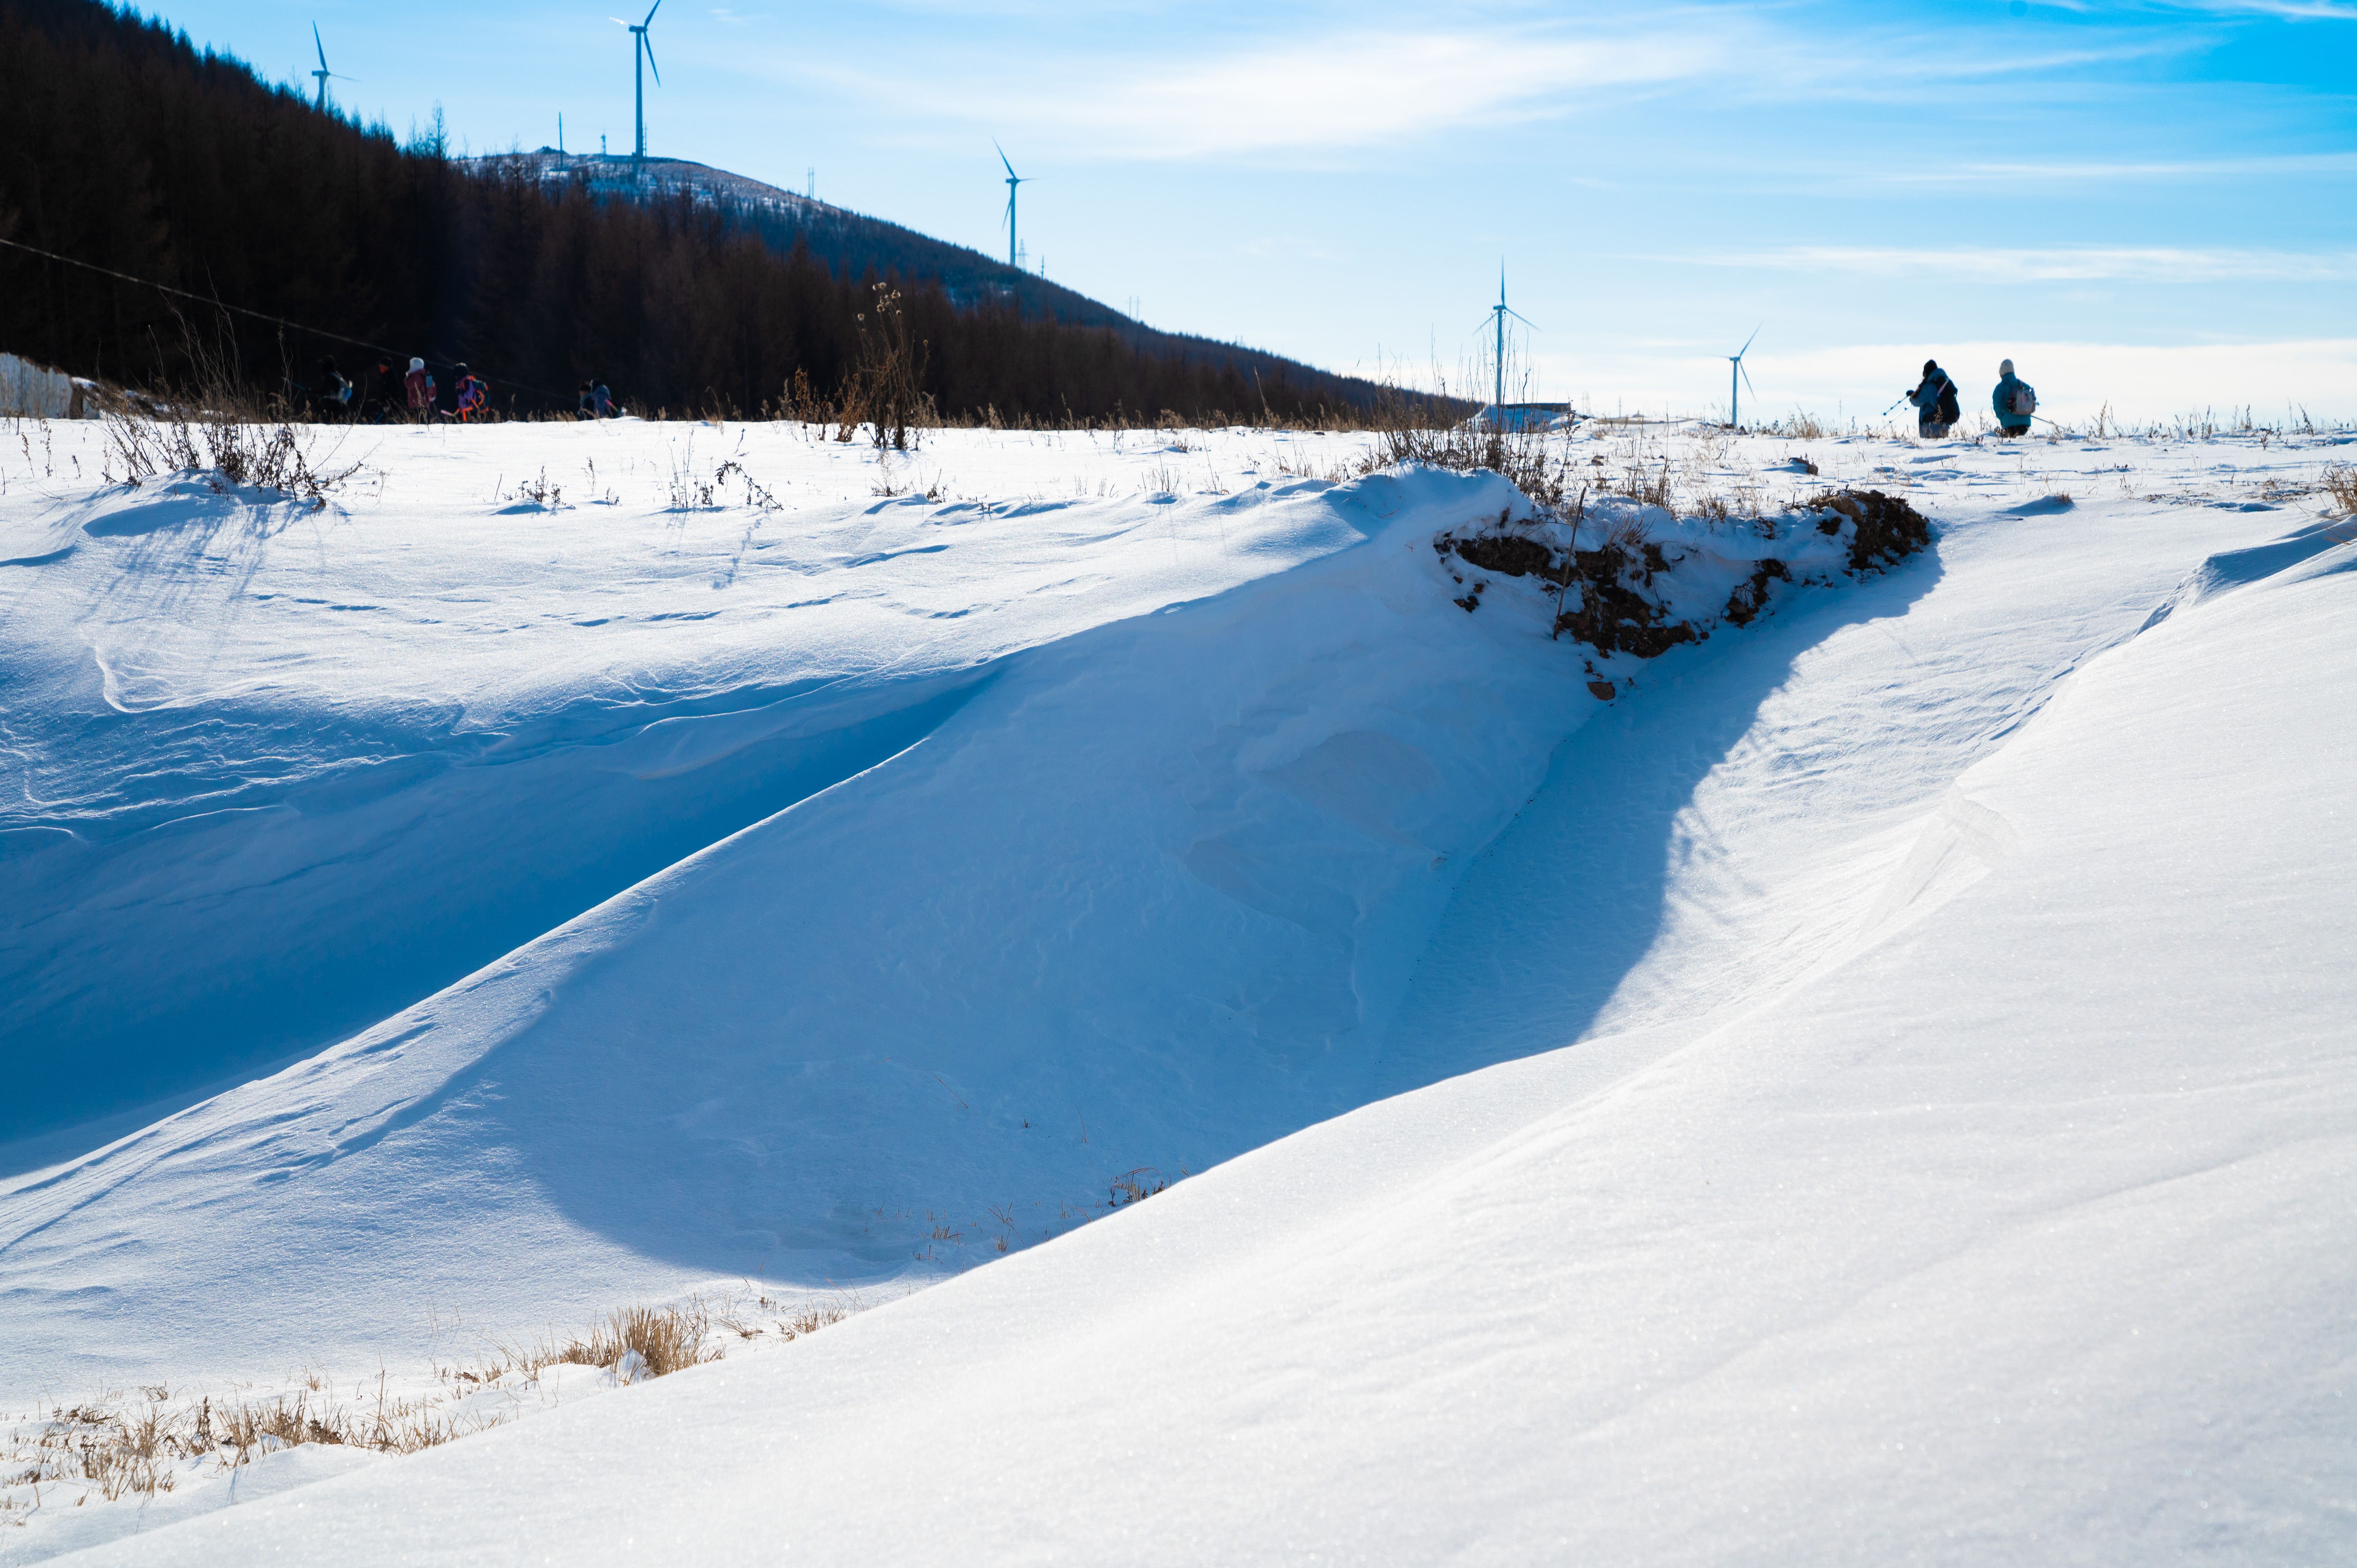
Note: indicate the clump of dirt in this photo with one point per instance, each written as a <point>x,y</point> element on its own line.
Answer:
<point>1618,608</point>
<point>1615,616</point>
<point>1744,605</point>
<point>1888,530</point>
<point>1509,555</point>
<point>1614,619</point>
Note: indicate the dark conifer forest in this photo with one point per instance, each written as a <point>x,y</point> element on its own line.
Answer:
<point>124,146</point>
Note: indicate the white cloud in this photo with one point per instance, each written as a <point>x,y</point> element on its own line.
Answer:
<point>2287,10</point>
<point>1371,89</point>
<point>2140,384</point>
<point>2211,168</point>
<point>1304,89</point>
<point>2148,263</point>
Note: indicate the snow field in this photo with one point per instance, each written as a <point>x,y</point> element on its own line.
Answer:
<point>1814,1187</point>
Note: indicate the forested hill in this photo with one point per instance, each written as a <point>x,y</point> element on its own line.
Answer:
<point>853,244</point>
<point>122,146</point>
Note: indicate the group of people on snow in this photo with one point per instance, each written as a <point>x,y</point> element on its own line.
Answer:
<point>411,395</point>
<point>2015,401</point>
<point>397,395</point>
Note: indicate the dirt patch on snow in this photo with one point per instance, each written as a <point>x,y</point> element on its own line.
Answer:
<point>1888,529</point>
<point>1618,598</point>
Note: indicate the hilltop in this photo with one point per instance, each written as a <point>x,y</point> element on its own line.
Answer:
<point>853,245</point>
<point>140,166</point>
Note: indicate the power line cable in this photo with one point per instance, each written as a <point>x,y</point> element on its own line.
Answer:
<point>259,314</point>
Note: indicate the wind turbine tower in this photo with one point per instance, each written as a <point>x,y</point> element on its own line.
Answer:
<point>323,73</point>
<point>1500,311</point>
<point>1013,180</point>
<point>1735,363</point>
<point>642,59</point>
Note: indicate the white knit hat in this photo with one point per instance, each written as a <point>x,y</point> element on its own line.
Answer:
<point>420,364</point>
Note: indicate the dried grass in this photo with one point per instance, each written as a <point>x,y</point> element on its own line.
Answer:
<point>2339,481</point>
<point>120,1451</point>
<point>219,436</point>
<point>142,1443</point>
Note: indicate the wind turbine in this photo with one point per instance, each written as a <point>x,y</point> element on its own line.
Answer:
<point>1013,180</point>
<point>1734,408</point>
<point>1500,311</point>
<point>323,73</point>
<point>642,59</point>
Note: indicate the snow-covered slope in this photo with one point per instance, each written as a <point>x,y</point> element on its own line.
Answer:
<point>1129,906</point>
<point>276,774</point>
<point>1947,1171</point>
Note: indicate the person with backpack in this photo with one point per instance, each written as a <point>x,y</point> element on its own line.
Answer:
<point>420,389</point>
<point>474,395</point>
<point>2015,401</point>
<point>587,408</point>
<point>1934,398</point>
<point>335,393</point>
<point>605,402</point>
<point>385,392</point>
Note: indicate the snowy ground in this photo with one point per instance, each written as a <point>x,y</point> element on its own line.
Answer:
<point>1876,1090</point>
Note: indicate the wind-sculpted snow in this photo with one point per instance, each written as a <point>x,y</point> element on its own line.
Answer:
<point>2010,1228</point>
<point>278,773</point>
<point>1134,899</point>
<point>1944,1158</point>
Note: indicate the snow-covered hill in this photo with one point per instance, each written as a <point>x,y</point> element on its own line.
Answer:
<point>1904,1094</point>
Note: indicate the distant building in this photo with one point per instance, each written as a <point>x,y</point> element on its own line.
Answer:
<point>28,390</point>
<point>1524,416</point>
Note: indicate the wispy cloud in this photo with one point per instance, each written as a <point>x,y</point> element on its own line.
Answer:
<point>2185,168</point>
<point>2155,264</point>
<point>2287,10</point>
<point>1323,93</point>
<point>1225,91</point>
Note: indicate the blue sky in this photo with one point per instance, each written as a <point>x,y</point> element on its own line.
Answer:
<point>2150,206</point>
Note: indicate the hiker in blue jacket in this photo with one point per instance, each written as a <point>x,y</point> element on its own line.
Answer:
<point>2015,401</point>
<point>1934,398</point>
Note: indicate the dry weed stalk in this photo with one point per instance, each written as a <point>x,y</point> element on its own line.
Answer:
<point>886,389</point>
<point>2339,481</point>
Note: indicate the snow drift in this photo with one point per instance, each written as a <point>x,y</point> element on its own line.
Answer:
<point>2000,1221</point>
<point>1950,967</point>
<point>1120,905</point>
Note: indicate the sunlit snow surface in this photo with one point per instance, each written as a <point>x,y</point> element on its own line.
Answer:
<point>1952,1165</point>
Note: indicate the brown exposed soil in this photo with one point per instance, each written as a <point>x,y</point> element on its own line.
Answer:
<point>1509,556</point>
<point>1744,605</point>
<point>1615,620</point>
<point>1614,583</point>
<point>1888,530</point>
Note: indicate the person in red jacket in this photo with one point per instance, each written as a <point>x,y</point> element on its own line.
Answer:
<point>420,387</point>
